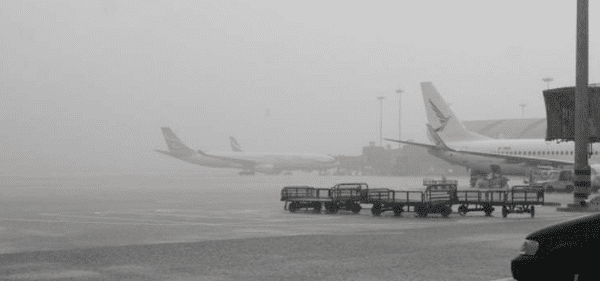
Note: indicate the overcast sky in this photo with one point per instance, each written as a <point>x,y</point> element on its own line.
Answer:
<point>86,85</point>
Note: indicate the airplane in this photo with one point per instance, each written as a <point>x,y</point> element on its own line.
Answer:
<point>235,146</point>
<point>249,162</point>
<point>455,144</point>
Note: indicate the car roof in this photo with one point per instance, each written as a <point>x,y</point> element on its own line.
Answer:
<point>554,229</point>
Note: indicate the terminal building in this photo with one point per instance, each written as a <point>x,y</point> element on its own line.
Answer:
<point>416,161</point>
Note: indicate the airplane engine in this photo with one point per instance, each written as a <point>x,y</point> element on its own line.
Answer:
<point>267,169</point>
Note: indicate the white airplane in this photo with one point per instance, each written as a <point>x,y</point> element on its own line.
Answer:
<point>249,162</point>
<point>481,154</point>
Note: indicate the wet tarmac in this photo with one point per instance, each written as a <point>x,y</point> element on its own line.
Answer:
<point>231,228</point>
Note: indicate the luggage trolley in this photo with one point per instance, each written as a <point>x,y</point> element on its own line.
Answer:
<point>439,196</point>
<point>481,200</point>
<point>347,196</point>
<point>304,197</point>
<point>384,199</point>
<point>522,198</point>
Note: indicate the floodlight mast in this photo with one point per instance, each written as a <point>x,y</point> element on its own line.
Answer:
<point>548,80</point>
<point>523,110</point>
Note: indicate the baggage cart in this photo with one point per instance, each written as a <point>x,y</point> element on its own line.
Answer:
<point>297,197</point>
<point>522,199</point>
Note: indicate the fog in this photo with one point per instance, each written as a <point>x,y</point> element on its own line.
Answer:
<point>86,85</point>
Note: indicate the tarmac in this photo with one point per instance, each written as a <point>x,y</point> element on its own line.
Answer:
<point>227,228</point>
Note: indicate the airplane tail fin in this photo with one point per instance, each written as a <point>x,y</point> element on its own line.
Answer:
<point>176,146</point>
<point>235,146</point>
<point>437,140</point>
<point>441,118</point>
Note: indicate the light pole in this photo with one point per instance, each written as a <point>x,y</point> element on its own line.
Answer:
<point>399,91</point>
<point>548,80</point>
<point>523,109</point>
<point>380,98</point>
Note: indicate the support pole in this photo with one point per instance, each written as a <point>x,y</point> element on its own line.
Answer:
<point>380,119</point>
<point>399,91</point>
<point>582,132</point>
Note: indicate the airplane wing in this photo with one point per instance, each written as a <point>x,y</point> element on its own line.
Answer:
<point>241,161</point>
<point>413,143</point>
<point>529,161</point>
<point>439,143</point>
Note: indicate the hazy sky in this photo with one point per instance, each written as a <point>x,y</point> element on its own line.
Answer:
<point>86,85</point>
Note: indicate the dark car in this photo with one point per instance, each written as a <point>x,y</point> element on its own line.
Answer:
<point>561,251</point>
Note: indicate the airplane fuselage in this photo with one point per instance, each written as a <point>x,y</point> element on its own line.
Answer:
<point>283,161</point>
<point>518,147</point>
<point>266,162</point>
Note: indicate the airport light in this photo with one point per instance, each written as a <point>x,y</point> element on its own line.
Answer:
<point>523,105</point>
<point>399,91</point>
<point>548,80</point>
<point>380,98</point>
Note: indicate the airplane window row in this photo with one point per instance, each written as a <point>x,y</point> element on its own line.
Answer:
<point>541,152</point>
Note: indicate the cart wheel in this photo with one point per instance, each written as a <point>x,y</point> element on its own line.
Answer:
<point>293,207</point>
<point>356,208</point>
<point>376,210</point>
<point>317,207</point>
<point>504,211</point>
<point>331,208</point>
<point>398,210</point>
<point>462,210</point>
<point>447,211</point>
<point>532,211</point>
<point>488,210</point>
<point>421,211</point>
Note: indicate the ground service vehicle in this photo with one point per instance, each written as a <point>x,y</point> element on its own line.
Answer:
<point>558,180</point>
<point>560,251</point>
